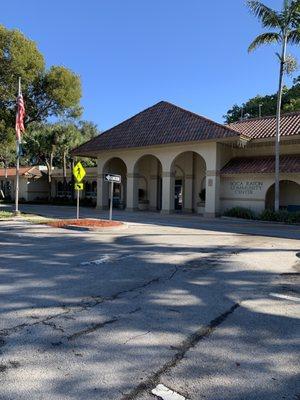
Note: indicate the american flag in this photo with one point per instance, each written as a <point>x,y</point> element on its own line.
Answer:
<point>20,116</point>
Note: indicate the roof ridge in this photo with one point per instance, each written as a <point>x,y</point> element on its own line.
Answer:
<point>264,117</point>
<point>115,126</point>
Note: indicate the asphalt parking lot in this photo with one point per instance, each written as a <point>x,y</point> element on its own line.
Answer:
<point>208,308</point>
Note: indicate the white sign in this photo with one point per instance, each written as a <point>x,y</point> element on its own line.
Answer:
<point>112,178</point>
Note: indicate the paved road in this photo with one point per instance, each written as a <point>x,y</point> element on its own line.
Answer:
<point>209,308</point>
<point>174,220</point>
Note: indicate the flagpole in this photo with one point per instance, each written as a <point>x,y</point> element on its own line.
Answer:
<point>17,212</point>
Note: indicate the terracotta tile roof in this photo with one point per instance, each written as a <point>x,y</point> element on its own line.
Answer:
<point>265,127</point>
<point>262,165</point>
<point>163,123</point>
<point>24,171</point>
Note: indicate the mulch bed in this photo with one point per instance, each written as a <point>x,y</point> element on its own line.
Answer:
<point>85,222</point>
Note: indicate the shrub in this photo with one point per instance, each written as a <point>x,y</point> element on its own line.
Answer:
<point>280,216</point>
<point>240,212</point>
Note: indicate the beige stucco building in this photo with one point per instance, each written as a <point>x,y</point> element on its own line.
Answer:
<point>64,191</point>
<point>172,159</point>
<point>33,184</point>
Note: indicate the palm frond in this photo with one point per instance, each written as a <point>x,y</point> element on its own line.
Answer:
<point>265,38</point>
<point>294,36</point>
<point>269,18</point>
<point>294,13</point>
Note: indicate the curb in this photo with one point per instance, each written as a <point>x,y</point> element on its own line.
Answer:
<point>96,228</point>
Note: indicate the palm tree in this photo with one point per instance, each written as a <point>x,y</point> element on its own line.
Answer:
<point>285,25</point>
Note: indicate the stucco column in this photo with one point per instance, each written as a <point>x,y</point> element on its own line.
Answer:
<point>152,197</point>
<point>167,193</point>
<point>102,201</point>
<point>102,187</point>
<point>132,192</point>
<point>212,197</point>
<point>188,193</point>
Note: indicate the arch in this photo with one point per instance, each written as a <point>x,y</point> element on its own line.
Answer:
<point>188,171</point>
<point>148,172</point>
<point>115,165</point>
<point>289,192</point>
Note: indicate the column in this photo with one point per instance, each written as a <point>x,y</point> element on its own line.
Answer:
<point>188,193</point>
<point>102,188</point>
<point>167,193</point>
<point>132,192</point>
<point>212,198</point>
<point>152,196</point>
<point>102,200</point>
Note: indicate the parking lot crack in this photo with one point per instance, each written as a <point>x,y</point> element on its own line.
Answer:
<point>92,328</point>
<point>136,336</point>
<point>190,342</point>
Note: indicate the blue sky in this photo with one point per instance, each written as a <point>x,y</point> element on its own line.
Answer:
<point>131,54</point>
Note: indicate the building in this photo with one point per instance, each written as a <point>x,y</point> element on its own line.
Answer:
<point>172,159</point>
<point>60,190</point>
<point>33,184</point>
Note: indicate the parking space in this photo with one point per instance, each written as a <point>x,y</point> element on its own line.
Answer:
<point>208,308</point>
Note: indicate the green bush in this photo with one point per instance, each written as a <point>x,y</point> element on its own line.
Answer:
<point>240,212</point>
<point>280,216</point>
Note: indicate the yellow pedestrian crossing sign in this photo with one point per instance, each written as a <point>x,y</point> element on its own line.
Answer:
<point>78,186</point>
<point>79,172</point>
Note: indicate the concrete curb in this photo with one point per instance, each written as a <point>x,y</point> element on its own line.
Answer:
<point>95,229</point>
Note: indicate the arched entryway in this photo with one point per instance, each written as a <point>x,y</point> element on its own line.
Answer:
<point>289,192</point>
<point>188,173</point>
<point>148,172</point>
<point>115,166</point>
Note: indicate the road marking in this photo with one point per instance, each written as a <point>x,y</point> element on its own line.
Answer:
<point>166,394</point>
<point>285,297</point>
<point>107,258</point>
<point>101,260</point>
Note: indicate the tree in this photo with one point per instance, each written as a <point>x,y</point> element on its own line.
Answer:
<point>40,145</point>
<point>285,25</point>
<point>47,93</point>
<point>51,144</point>
<point>266,105</point>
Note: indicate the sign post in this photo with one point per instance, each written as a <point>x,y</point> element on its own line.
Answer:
<point>79,173</point>
<point>112,178</point>
<point>111,200</point>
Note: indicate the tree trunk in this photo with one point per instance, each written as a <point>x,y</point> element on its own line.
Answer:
<point>64,172</point>
<point>278,116</point>
<point>72,180</point>
<point>49,165</point>
<point>49,179</point>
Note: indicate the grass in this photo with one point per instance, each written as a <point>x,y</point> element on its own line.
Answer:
<point>36,219</point>
<point>33,218</point>
<point>6,214</point>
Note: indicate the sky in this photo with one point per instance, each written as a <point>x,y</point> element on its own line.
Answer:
<point>131,54</point>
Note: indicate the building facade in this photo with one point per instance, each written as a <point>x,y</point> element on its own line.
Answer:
<point>171,159</point>
<point>33,184</point>
<point>63,190</point>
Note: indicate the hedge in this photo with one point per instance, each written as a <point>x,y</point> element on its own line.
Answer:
<point>266,215</point>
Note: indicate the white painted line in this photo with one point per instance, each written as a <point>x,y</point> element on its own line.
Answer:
<point>166,394</point>
<point>101,260</point>
<point>285,297</point>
